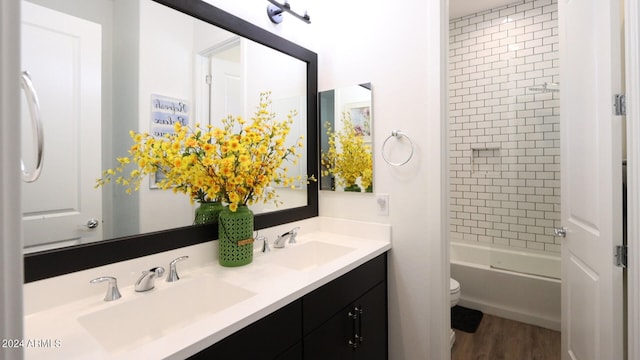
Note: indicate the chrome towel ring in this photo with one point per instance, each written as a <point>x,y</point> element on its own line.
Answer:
<point>397,134</point>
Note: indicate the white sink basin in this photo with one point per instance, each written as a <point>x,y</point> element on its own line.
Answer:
<point>307,255</point>
<point>159,311</point>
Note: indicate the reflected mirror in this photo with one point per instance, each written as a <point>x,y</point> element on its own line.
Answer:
<point>105,67</point>
<point>147,53</point>
<point>345,138</point>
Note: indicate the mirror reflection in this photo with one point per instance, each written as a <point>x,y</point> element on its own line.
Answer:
<point>345,138</point>
<point>101,68</point>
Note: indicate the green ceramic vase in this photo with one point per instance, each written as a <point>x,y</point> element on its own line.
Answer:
<point>208,212</point>
<point>235,235</point>
<point>353,188</point>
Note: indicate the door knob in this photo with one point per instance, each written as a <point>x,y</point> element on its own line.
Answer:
<point>92,224</point>
<point>560,232</point>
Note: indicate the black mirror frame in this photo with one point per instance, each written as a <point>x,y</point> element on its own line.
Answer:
<point>50,263</point>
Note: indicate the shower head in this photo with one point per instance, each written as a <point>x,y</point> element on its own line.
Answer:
<point>546,87</point>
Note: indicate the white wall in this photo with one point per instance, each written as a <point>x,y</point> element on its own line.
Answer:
<point>399,53</point>
<point>125,103</point>
<point>268,70</point>
<point>170,50</point>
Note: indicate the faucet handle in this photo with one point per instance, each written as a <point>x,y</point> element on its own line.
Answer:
<point>265,244</point>
<point>112,290</point>
<point>158,271</point>
<point>294,232</point>
<point>173,272</point>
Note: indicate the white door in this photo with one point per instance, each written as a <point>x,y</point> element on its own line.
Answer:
<point>590,73</point>
<point>218,81</point>
<point>226,85</point>
<point>62,54</point>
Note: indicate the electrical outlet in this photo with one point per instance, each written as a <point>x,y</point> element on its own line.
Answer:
<point>382,204</point>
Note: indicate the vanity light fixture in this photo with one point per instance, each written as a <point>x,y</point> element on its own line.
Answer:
<point>275,10</point>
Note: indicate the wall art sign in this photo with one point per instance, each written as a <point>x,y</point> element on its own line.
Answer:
<point>165,112</point>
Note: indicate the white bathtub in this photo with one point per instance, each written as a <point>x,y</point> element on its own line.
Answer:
<point>531,299</point>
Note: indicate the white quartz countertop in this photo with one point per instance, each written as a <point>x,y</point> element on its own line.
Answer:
<point>55,331</point>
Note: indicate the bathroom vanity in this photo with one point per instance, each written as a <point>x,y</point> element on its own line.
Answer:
<point>323,297</point>
<point>345,318</point>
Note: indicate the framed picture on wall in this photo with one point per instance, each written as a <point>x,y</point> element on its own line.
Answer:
<point>360,113</point>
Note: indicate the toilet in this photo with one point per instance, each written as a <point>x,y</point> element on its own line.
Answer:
<point>454,296</point>
<point>454,291</point>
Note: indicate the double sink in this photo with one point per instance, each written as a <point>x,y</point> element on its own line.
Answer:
<point>127,323</point>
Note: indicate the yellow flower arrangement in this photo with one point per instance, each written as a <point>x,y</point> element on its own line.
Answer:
<point>348,157</point>
<point>235,164</point>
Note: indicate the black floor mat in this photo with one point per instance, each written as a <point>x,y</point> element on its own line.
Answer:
<point>465,319</point>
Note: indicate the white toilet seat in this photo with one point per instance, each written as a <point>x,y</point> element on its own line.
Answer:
<point>454,286</point>
<point>454,291</point>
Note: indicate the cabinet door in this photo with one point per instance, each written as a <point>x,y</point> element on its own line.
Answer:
<point>294,353</point>
<point>264,339</point>
<point>345,336</point>
<point>372,324</point>
<point>335,296</point>
<point>331,340</point>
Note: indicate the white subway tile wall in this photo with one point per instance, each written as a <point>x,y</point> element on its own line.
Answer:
<point>505,126</point>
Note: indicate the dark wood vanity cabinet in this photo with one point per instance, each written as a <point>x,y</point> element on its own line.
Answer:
<point>358,331</point>
<point>344,319</point>
<point>347,318</point>
<point>272,337</point>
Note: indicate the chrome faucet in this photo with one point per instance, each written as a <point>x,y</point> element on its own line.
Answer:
<point>112,290</point>
<point>147,280</point>
<point>173,273</point>
<point>282,239</point>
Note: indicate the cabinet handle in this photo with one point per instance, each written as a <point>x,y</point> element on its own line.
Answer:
<point>353,342</point>
<point>359,336</point>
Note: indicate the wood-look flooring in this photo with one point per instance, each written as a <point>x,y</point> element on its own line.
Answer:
<point>502,339</point>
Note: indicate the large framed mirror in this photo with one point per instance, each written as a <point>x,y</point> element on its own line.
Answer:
<point>166,62</point>
<point>346,125</point>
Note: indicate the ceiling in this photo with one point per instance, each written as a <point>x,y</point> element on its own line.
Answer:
<point>459,8</point>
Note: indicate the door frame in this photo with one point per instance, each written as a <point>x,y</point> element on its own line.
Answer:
<point>11,260</point>
<point>632,90</point>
